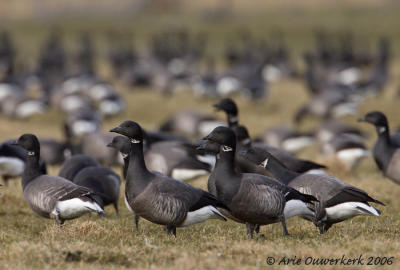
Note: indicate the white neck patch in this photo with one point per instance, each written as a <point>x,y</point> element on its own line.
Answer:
<point>246,141</point>
<point>381,129</point>
<point>31,153</point>
<point>233,119</point>
<point>124,155</point>
<point>226,148</point>
<point>135,141</point>
<point>265,162</point>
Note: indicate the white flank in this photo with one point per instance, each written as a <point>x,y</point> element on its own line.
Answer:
<point>11,166</point>
<point>349,75</point>
<point>128,206</point>
<point>297,208</point>
<point>75,208</point>
<point>108,107</point>
<point>349,209</point>
<point>73,103</point>
<point>344,109</point>
<point>205,127</point>
<point>351,157</point>
<point>209,159</point>
<point>187,174</point>
<point>227,85</point>
<point>317,171</point>
<point>271,73</point>
<point>7,90</point>
<point>28,108</point>
<point>296,144</point>
<point>81,127</point>
<point>100,91</point>
<point>202,215</point>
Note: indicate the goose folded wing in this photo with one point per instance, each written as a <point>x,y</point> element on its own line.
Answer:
<point>350,194</point>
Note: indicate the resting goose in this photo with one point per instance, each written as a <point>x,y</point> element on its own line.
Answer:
<point>386,151</point>
<point>51,196</point>
<point>73,165</point>
<point>253,199</point>
<point>161,199</point>
<point>338,201</point>
<point>103,181</point>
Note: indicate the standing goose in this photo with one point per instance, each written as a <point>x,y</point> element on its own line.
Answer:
<point>52,196</point>
<point>253,199</point>
<point>290,161</point>
<point>230,108</point>
<point>103,181</point>
<point>338,200</point>
<point>386,151</point>
<point>161,199</point>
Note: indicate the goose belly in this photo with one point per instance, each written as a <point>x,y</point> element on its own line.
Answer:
<point>76,207</point>
<point>202,215</point>
<point>297,208</point>
<point>187,174</point>
<point>348,210</point>
<point>11,166</point>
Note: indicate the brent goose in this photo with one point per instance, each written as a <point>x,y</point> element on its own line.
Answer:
<point>123,145</point>
<point>386,150</point>
<point>12,161</point>
<point>332,128</point>
<point>230,108</point>
<point>290,161</point>
<point>94,144</point>
<point>52,151</point>
<point>73,165</point>
<point>161,199</point>
<point>338,200</point>
<point>175,159</point>
<point>52,196</point>
<point>190,123</point>
<point>253,199</point>
<point>348,149</point>
<point>103,182</point>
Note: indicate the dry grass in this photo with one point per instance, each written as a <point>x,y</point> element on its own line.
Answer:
<point>30,242</point>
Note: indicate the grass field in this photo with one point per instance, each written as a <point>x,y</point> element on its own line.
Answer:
<point>30,242</point>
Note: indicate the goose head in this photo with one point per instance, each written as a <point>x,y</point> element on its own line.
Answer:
<point>122,144</point>
<point>29,142</point>
<point>223,136</point>
<point>376,118</point>
<point>242,135</point>
<point>227,105</point>
<point>130,129</point>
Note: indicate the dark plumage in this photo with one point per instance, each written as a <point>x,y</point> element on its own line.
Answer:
<point>158,198</point>
<point>386,150</point>
<point>52,196</point>
<point>72,166</point>
<point>338,200</point>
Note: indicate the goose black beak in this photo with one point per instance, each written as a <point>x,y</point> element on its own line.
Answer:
<point>109,144</point>
<point>206,138</point>
<point>362,119</point>
<point>116,130</point>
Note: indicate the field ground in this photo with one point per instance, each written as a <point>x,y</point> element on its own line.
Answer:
<point>30,242</point>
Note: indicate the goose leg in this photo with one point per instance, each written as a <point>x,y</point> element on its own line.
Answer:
<point>250,230</point>
<point>170,230</point>
<point>257,229</point>
<point>116,208</point>
<point>137,222</point>
<point>59,221</point>
<point>283,221</point>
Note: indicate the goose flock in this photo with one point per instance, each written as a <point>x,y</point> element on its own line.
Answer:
<point>254,181</point>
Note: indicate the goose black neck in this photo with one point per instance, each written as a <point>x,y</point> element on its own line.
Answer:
<point>125,167</point>
<point>225,162</point>
<point>280,171</point>
<point>383,133</point>
<point>32,167</point>
<point>136,161</point>
<point>232,119</point>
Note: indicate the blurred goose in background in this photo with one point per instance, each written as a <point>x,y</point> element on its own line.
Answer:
<point>349,150</point>
<point>51,196</point>
<point>269,200</point>
<point>386,150</point>
<point>330,129</point>
<point>158,198</point>
<point>94,144</point>
<point>82,122</point>
<point>337,200</point>
<point>190,123</point>
<point>54,152</point>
